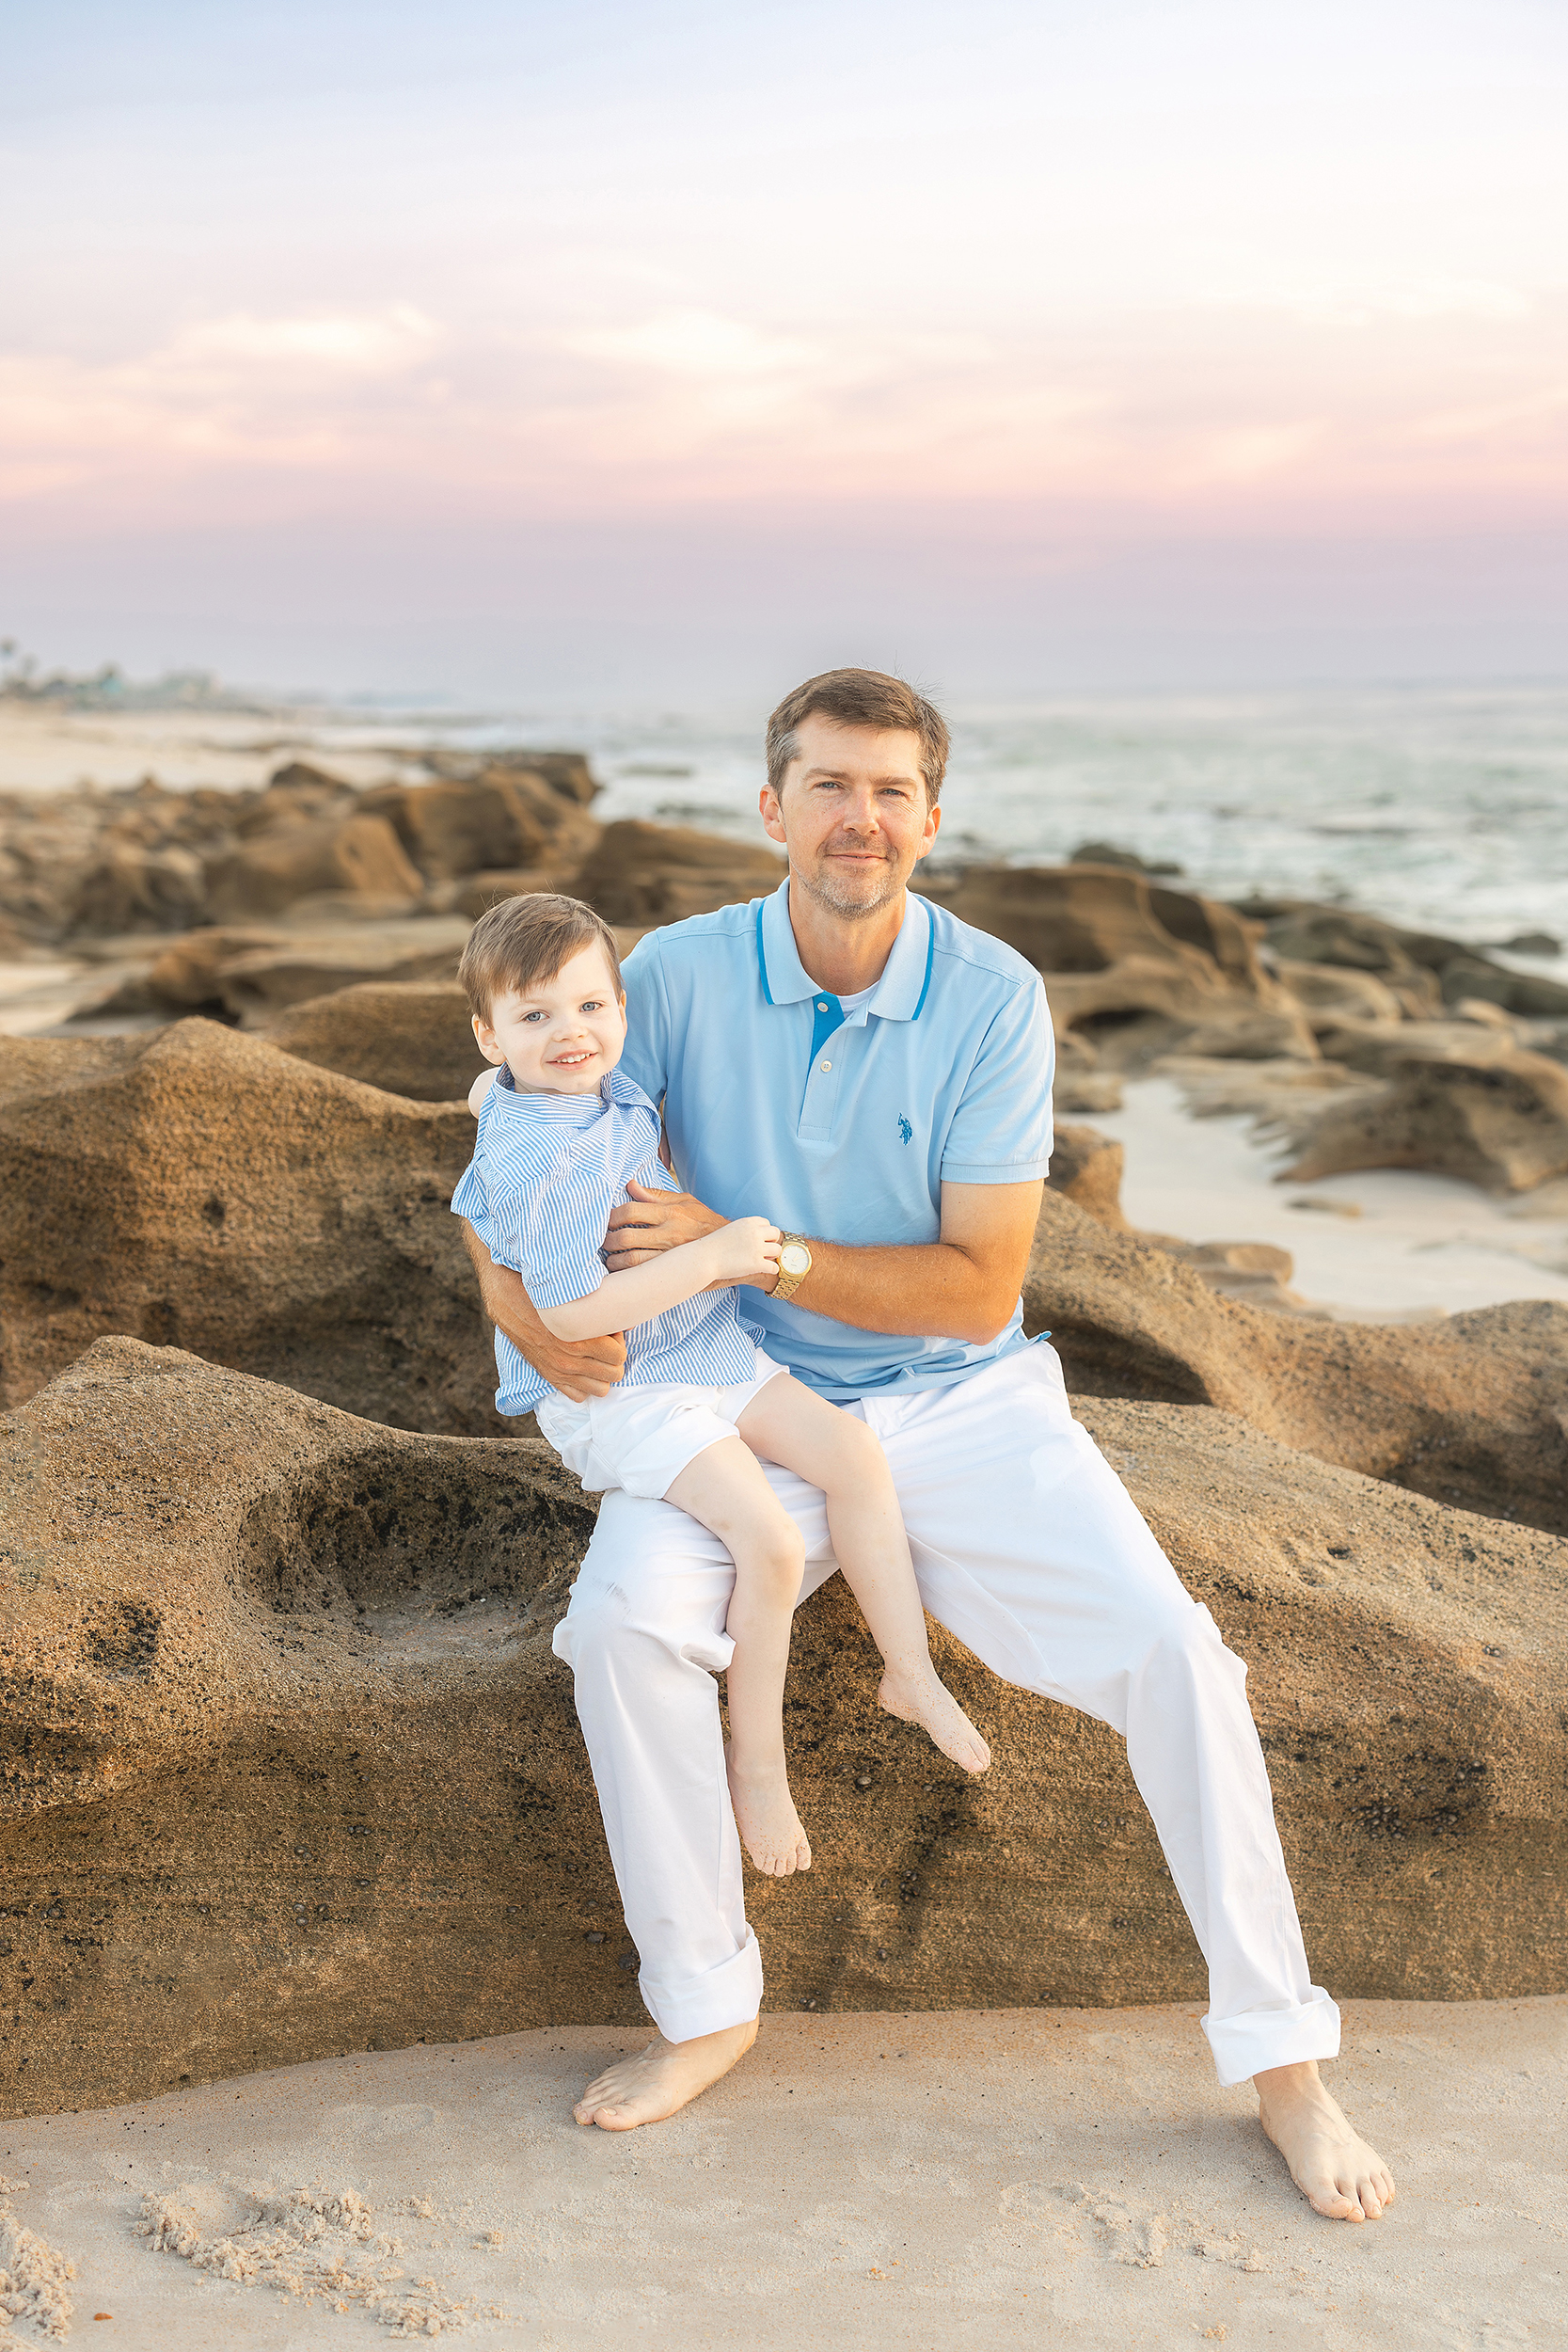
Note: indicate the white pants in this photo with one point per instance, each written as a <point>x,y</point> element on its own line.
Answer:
<point>1029,1549</point>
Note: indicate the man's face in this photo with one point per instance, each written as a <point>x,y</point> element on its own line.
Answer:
<point>853,815</point>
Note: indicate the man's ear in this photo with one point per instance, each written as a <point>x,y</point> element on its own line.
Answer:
<point>772,814</point>
<point>933,826</point>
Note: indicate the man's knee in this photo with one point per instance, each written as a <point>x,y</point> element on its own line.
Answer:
<point>630,1624</point>
<point>1183,1639</point>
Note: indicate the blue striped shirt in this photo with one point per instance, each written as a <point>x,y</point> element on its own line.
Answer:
<point>547,1171</point>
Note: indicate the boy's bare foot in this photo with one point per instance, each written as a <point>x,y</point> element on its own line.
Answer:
<point>1331,2165</point>
<point>661,2080</point>
<point>921,1698</point>
<point>766,1816</point>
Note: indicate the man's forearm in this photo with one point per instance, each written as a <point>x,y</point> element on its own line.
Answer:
<point>963,1287</point>
<point>929,1290</point>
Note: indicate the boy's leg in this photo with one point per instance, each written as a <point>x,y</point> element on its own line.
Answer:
<point>788,1423</point>
<point>723,1487</point>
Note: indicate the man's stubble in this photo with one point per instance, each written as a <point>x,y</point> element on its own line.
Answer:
<point>822,889</point>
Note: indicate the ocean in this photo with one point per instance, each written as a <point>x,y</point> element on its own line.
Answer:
<point>1439,807</point>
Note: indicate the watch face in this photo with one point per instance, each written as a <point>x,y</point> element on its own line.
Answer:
<point>793,1259</point>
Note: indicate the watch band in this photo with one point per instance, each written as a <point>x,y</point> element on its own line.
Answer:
<point>787,1285</point>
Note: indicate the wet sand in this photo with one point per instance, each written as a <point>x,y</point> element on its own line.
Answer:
<point>1035,2176</point>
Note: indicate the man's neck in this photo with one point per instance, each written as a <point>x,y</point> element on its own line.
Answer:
<point>838,953</point>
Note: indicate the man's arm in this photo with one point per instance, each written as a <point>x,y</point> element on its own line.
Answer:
<point>963,1287</point>
<point>579,1368</point>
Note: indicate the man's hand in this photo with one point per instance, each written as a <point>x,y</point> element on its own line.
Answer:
<point>654,1221</point>
<point>579,1368</point>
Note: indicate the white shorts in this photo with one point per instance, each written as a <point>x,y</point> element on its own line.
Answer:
<point>641,1439</point>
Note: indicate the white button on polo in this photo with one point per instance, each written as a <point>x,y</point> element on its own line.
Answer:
<point>824,1065</point>
<point>821,1007</point>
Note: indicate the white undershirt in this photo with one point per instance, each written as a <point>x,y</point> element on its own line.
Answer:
<point>862,996</point>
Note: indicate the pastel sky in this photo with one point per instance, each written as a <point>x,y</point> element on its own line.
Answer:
<point>498,347</point>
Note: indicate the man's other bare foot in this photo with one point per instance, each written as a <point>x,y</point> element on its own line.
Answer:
<point>661,2080</point>
<point>765,1814</point>
<point>921,1698</point>
<point>1331,2165</point>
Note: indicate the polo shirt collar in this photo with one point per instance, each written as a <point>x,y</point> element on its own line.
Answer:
<point>905,979</point>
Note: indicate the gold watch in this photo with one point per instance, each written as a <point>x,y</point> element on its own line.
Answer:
<point>794,1265</point>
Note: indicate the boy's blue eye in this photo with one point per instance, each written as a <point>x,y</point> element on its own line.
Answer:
<point>592,1003</point>
<point>533,1016</point>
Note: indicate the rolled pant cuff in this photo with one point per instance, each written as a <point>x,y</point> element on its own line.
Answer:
<point>686,2006</point>
<point>1260,2038</point>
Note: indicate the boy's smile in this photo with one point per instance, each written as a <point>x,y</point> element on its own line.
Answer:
<point>562,1035</point>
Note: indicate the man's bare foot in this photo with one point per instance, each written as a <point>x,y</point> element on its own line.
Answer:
<point>921,1698</point>
<point>661,2080</point>
<point>1331,2164</point>
<point>766,1816</point>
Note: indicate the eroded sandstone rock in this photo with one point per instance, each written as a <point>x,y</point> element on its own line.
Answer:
<point>357,858</point>
<point>642,874</point>
<point>1087,1167</point>
<point>287,1767</point>
<point>1425,970</point>
<point>1473,1409</point>
<point>1482,1110</point>
<point>508,817</point>
<point>412,1037</point>
<point>1138,965</point>
<point>194,1184</point>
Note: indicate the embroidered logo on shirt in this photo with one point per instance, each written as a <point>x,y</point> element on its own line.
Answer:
<point>906,1130</point>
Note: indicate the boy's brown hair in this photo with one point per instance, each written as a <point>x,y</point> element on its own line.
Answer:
<point>528,939</point>
<point>860,698</point>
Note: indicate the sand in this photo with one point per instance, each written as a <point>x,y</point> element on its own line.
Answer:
<point>45,748</point>
<point>1382,1244</point>
<point>1046,2175</point>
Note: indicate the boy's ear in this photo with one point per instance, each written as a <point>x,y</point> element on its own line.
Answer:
<point>485,1038</point>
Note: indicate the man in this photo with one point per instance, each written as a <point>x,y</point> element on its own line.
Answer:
<point>874,1076</point>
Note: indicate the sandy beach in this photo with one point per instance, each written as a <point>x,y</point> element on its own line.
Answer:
<point>1068,2176</point>
<point>1373,1246</point>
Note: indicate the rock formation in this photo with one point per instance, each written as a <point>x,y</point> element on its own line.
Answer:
<point>287,1767</point>
<point>1474,1106</point>
<point>408,1037</point>
<point>1472,1411</point>
<point>1139,966</point>
<point>89,862</point>
<point>1085,1167</point>
<point>1424,970</point>
<point>196,1185</point>
<point>641,874</point>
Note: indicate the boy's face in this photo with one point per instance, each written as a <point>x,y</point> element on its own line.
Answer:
<point>558,1036</point>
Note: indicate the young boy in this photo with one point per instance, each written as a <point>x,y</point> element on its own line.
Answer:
<point>561,1137</point>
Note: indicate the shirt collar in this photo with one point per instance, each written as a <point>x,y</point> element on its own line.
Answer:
<point>905,979</point>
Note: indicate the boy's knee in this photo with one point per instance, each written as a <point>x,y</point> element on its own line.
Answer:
<point>782,1554</point>
<point>861,1451</point>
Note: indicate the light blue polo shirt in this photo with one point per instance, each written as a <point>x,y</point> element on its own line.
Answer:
<point>779,1106</point>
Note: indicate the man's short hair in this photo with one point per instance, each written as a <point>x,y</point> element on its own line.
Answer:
<point>528,939</point>
<point>860,698</point>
